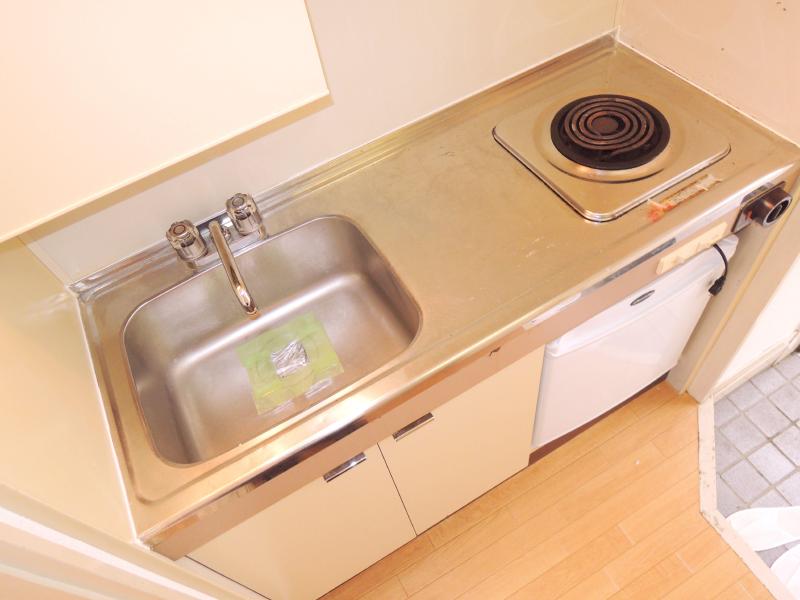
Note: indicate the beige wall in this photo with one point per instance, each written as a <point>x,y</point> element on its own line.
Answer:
<point>744,51</point>
<point>387,63</point>
<point>54,444</point>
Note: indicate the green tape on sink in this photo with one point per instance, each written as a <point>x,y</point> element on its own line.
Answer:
<point>295,359</point>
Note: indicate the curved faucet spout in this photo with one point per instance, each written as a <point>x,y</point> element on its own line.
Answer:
<point>243,294</point>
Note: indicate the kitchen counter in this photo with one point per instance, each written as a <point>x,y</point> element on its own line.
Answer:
<point>482,245</point>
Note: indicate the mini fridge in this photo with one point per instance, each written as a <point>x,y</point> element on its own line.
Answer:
<point>620,351</point>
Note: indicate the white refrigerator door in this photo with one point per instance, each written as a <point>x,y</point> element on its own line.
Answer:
<point>618,352</point>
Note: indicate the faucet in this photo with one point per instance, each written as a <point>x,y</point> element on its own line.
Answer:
<point>190,245</point>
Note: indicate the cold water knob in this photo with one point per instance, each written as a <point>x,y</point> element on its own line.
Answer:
<point>244,215</point>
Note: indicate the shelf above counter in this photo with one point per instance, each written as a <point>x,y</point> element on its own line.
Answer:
<point>107,94</point>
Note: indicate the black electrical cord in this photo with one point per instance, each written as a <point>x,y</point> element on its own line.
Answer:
<point>717,286</point>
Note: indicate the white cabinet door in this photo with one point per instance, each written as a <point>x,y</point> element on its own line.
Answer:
<point>468,445</point>
<point>316,538</point>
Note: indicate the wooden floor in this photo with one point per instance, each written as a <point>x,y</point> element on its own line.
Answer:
<point>614,513</point>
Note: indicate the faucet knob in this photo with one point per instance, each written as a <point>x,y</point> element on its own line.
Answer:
<point>187,241</point>
<point>243,212</point>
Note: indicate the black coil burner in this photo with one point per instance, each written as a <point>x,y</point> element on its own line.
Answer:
<point>609,132</point>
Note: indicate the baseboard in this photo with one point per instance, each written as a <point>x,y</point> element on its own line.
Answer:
<point>768,358</point>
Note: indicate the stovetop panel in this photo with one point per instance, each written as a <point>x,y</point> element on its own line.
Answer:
<point>601,194</point>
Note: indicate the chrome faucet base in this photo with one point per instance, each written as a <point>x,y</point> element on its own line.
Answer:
<point>242,215</point>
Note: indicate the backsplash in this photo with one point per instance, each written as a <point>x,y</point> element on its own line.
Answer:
<point>386,66</point>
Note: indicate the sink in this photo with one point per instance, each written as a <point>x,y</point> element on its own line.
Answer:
<point>184,346</point>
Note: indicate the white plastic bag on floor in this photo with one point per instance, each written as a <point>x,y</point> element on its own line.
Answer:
<point>765,528</point>
<point>787,569</point>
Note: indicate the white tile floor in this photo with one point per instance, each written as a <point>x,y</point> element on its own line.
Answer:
<point>758,443</point>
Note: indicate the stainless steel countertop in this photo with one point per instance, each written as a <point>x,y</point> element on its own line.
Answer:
<point>481,243</point>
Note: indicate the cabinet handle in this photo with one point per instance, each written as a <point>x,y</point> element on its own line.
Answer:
<point>643,297</point>
<point>413,426</point>
<point>344,467</point>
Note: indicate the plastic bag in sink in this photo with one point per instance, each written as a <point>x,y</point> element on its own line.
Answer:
<point>294,359</point>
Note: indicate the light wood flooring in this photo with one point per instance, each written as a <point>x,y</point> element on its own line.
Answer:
<point>613,513</point>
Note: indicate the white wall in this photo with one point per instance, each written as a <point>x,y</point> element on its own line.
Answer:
<point>54,444</point>
<point>387,63</point>
<point>775,326</point>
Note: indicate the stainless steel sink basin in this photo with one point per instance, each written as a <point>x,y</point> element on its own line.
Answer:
<point>193,389</point>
